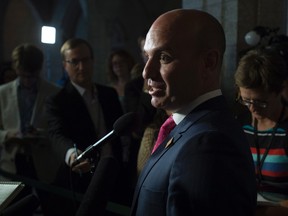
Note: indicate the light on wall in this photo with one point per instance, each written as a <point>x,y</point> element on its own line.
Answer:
<point>48,35</point>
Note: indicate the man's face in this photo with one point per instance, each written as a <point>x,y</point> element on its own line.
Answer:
<point>172,69</point>
<point>27,79</point>
<point>79,65</point>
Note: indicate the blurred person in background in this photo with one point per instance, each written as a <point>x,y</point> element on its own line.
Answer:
<point>26,148</point>
<point>7,73</point>
<point>120,64</point>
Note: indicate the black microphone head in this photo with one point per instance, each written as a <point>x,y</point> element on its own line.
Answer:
<point>125,124</point>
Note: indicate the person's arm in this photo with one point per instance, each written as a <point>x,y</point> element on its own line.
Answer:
<point>61,142</point>
<point>6,135</point>
<point>64,146</point>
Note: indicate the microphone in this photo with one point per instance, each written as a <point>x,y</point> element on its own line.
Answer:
<point>122,126</point>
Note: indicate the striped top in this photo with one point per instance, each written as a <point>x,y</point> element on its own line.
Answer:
<point>275,166</point>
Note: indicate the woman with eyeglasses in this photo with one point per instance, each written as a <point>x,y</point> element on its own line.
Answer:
<point>260,80</point>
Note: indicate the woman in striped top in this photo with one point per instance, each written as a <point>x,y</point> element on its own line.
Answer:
<point>260,79</point>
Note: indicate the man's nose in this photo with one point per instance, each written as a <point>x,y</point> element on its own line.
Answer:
<point>150,70</point>
<point>81,64</point>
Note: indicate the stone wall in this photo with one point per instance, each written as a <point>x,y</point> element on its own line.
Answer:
<point>238,17</point>
<point>115,23</point>
<point>105,24</point>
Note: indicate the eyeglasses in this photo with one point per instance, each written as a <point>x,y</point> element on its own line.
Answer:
<point>75,62</point>
<point>248,103</point>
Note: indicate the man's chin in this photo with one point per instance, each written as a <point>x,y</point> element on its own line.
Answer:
<point>82,82</point>
<point>158,103</point>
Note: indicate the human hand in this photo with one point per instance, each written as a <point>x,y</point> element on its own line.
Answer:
<point>284,203</point>
<point>13,139</point>
<point>31,131</point>
<point>82,167</point>
<point>12,134</point>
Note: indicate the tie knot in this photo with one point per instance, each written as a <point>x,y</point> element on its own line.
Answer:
<point>165,129</point>
<point>169,124</point>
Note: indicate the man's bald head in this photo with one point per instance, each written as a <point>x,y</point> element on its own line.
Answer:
<point>203,27</point>
<point>185,51</point>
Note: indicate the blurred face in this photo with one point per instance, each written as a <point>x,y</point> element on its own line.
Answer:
<point>261,104</point>
<point>79,65</point>
<point>27,79</point>
<point>120,66</point>
<point>172,69</point>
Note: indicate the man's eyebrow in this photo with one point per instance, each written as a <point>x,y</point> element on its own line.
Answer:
<point>159,49</point>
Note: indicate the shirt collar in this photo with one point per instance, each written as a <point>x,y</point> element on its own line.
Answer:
<point>82,90</point>
<point>181,114</point>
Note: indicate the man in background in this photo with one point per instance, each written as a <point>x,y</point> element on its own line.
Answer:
<point>26,149</point>
<point>22,122</point>
<point>78,116</point>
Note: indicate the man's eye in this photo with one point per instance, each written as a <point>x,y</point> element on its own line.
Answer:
<point>74,62</point>
<point>165,58</point>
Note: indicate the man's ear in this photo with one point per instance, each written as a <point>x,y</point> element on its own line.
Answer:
<point>211,59</point>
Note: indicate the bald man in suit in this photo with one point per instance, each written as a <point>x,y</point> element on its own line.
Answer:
<point>204,167</point>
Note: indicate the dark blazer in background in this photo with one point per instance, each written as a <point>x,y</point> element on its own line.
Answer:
<point>206,169</point>
<point>70,122</point>
<point>69,119</point>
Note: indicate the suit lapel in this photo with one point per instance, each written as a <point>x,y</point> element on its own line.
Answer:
<point>171,140</point>
<point>14,105</point>
<point>75,99</point>
<point>199,112</point>
<point>76,103</point>
<point>39,102</point>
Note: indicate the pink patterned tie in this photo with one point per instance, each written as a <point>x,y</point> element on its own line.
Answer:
<point>165,129</point>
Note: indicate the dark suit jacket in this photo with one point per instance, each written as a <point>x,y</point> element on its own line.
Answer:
<point>69,120</point>
<point>206,170</point>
